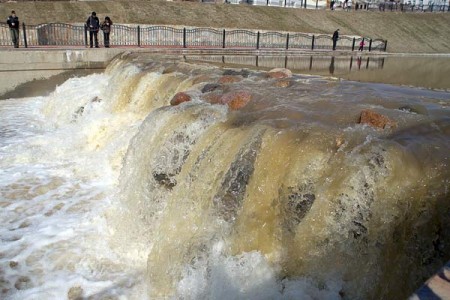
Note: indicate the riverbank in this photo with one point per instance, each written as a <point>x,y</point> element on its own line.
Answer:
<point>405,32</point>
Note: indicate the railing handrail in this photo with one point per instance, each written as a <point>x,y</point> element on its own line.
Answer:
<point>64,34</point>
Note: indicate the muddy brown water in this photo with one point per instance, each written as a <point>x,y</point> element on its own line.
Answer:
<point>430,72</point>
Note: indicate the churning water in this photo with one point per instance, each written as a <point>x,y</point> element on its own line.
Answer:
<point>108,192</point>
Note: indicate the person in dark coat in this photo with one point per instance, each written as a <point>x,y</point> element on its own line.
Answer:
<point>13,23</point>
<point>335,38</point>
<point>106,28</point>
<point>93,25</point>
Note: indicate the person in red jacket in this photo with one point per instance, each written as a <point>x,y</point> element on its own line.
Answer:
<point>361,45</point>
<point>13,23</point>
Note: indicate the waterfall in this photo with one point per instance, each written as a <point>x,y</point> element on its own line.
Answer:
<point>287,195</point>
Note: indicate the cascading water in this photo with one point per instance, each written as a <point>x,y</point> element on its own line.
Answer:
<point>108,191</point>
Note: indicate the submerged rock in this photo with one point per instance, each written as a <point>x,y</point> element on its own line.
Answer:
<point>298,203</point>
<point>236,99</point>
<point>209,87</point>
<point>23,283</point>
<point>283,83</point>
<point>229,79</point>
<point>166,180</point>
<point>279,73</point>
<point>243,73</point>
<point>417,109</point>
<point>229,199</point>
<point>213,98</point>
<point>75,293</point>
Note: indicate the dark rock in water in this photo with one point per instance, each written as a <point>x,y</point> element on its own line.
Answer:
<point>298,202</point>
<point>180,98</point>
<point>166,180</point>
<point>375,119</point>
<point>210,87</point>
<point>417,109</point>
<point>243,73</point>
<point>359,229</point>
<point>96,99</point>
<point>23,283</point>
<point>229,199</point>
<point>358,209</point>
<point>78,113</point>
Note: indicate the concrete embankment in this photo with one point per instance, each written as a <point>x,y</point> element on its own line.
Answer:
<point>55,59</point>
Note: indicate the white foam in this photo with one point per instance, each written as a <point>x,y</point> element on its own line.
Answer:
<point>55,188</point>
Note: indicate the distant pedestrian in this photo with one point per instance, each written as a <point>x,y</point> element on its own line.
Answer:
<point>361,45</point>
<point>332,4</point>
<point>106,28</point>
<point>335,38</point>
<point>93,24</point>
<point>13,23</point>
<point>348,4</point>
<point>345,4</point>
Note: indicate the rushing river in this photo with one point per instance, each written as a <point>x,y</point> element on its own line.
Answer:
<point>109,192</point>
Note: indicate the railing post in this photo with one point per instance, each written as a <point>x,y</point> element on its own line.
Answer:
<point>370,45</point>
<point>184,37</point>
<point>85,35</point>
<point>24,35</point>
<point>312,44</point>
<point>385,45</point>
<point>257,41</point>
<point>353,44</point>
<point>139,35</point>
<point>287,41</point>
<point>223,42</point>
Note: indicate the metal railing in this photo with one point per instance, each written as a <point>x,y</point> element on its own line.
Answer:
<point>58,34</point>
<point>381,5</point>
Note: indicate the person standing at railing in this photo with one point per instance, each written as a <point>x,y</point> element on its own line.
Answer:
<point>13,23</point>
<point>93,25</point>
<point>106,28</point>
<point>361,45</point>
<point>335,38</point>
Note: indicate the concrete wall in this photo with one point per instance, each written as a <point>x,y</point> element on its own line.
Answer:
<point>56,59</point>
